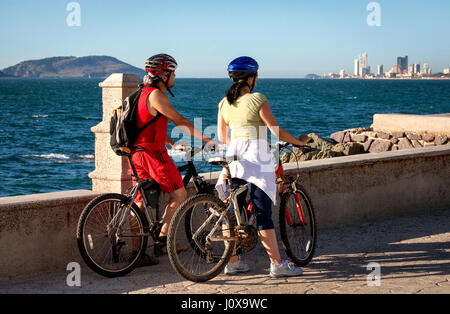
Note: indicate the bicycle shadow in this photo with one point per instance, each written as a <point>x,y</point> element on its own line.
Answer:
<point>404,246</point>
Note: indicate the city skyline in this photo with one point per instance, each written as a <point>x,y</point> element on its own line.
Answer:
<point>288,38</point>
<point>402,69</point>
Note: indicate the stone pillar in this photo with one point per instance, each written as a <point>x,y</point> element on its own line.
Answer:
<point>111,171</point>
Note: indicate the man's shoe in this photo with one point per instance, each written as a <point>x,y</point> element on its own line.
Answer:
<point>239,267</point>
<point>285,269</point>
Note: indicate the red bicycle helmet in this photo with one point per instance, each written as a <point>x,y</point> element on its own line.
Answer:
<point>159,65</point>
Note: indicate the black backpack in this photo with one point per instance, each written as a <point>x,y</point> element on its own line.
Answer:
<point>123,125</point>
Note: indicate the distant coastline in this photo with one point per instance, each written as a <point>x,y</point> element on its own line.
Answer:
<point>70,67</point>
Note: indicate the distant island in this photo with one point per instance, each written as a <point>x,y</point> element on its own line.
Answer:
<point>313,76</point>
<point>4,74</point>
<point>71,67</point>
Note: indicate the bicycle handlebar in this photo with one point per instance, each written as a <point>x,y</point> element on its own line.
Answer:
<point>281,146</point>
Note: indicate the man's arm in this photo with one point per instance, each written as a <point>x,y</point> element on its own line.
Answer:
<point>160,102</point>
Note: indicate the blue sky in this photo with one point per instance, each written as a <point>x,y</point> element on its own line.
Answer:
<point>288,38</point>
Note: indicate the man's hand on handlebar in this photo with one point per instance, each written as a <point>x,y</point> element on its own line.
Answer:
<point>180,146</point>
<point>211,146</point>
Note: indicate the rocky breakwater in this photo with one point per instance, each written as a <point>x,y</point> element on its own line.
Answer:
<point>378,142</point>
<point>359,141</point>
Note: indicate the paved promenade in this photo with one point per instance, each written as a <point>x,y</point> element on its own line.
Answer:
<point>413,254</point>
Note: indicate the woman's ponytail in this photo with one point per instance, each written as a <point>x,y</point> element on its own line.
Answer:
<point>235,90</point>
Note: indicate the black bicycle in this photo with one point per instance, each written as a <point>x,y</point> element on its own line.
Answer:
<point>112,232</point>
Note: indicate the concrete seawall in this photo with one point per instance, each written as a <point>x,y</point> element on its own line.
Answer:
<point>37,232</point>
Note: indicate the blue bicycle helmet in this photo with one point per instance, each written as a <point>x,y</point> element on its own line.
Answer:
<point>243,64</point>
<point>239,70</point>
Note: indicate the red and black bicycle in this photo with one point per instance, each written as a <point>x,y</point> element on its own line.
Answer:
<point>205,226</point>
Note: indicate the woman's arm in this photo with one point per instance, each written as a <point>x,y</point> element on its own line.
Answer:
<point>267,116</point>
<point>222,130</point>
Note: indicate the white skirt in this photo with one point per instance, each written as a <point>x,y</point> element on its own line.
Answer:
<point>254,165</point>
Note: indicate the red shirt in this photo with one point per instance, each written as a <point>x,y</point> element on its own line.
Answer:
<point>154,137</point>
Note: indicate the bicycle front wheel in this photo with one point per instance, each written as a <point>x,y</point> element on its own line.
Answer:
<point>108,248</point>
<point>298,226</point>
<point>201,238</point>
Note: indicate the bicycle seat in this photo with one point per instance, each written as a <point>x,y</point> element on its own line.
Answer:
<point>222,160</point>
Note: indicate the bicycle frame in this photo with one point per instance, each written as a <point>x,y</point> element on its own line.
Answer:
<point>287,183</point>
<point>120,217</point>
<point>284,184</point>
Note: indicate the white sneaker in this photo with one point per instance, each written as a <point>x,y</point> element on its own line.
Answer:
<point>239,267</point>
<point>285,269</point>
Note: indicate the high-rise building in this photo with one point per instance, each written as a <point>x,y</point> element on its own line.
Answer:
<point>402,62</point>
<point>363,64</point>
<point>426,69</point>
<point>380,70</point>
<point>417,68</point>
<point>356,71</point>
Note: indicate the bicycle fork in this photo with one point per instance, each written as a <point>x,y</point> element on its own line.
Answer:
<point>299,209</point>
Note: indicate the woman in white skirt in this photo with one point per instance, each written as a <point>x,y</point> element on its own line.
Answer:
<point>248,115</point>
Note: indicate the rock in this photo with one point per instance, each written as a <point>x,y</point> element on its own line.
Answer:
<point>338,136</point>
<point>326,154</point>
<point>383,135</point>
<point>440,139</point>
<point>428,137</point>
<point>358,138</point>
<point>416,144</point>
<point>404,143</point>
<point>394,140</point>
<point>348,149</point>
<point>380,146</point>
<point>304,154</point>
<point>370,134</point>
<point>398,134</point>
<point>395,147</point>
<point>320,143</point>
<point>359,130</point>
<point>427,144</point>
<point>413,136</point>
<point>347,138</point>
<point>366,145</point>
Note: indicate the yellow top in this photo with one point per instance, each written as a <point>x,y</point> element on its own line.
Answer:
<point>243,116</point>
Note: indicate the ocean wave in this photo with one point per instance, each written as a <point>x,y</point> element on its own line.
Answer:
<point>40,116</point>
<point>61,157</point>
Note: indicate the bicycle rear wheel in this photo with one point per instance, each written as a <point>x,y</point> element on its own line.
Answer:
<point>106,248</point>
<point>298,226</point>
<point>197,242</point>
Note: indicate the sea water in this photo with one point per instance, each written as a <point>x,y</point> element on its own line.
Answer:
<point>45,124</point>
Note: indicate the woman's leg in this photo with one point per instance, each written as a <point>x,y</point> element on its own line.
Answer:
<point>269,241</point>
<point>262,207</point>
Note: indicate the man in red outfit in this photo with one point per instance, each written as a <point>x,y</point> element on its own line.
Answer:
<point>154,162</point>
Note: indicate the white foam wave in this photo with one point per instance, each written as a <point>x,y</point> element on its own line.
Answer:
<point>40,116</point>
<point>50,156</point>
<point>61,157</point>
